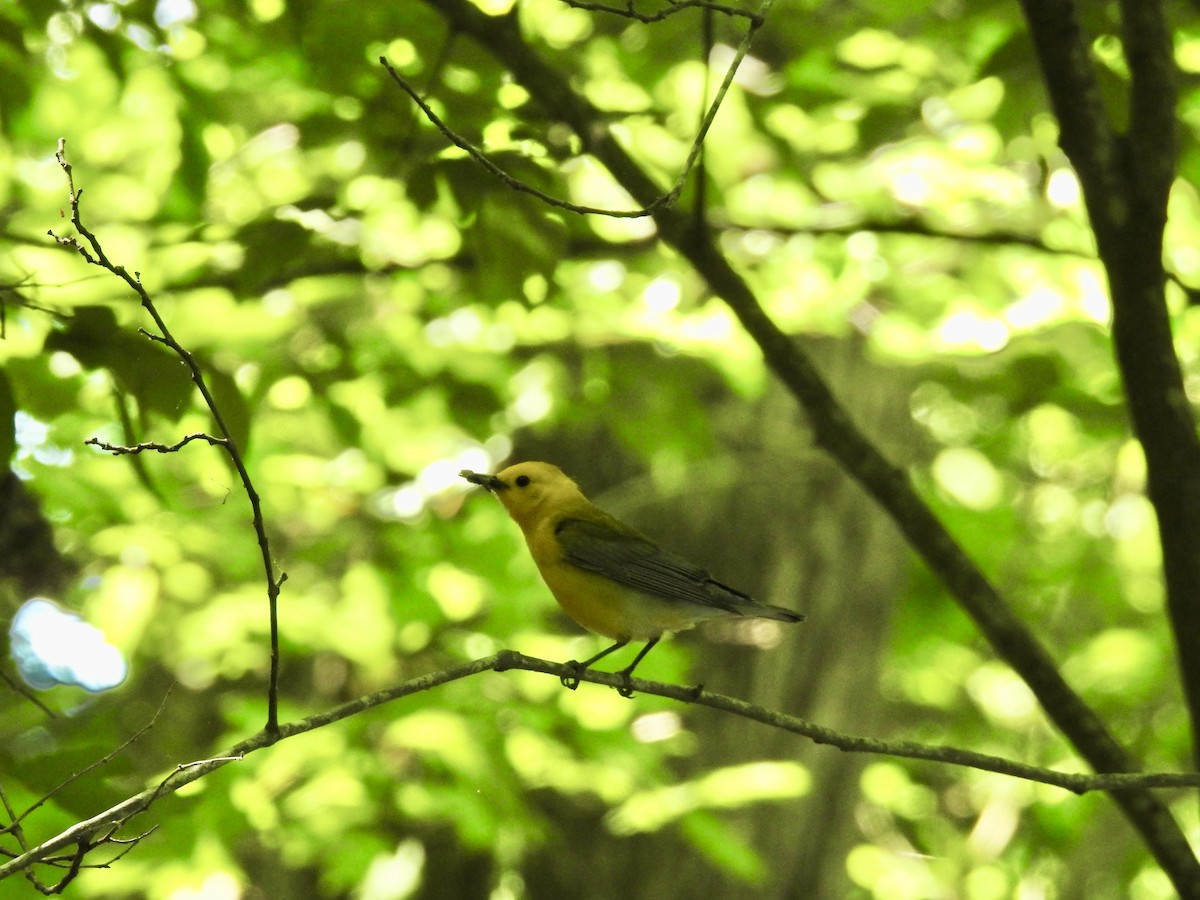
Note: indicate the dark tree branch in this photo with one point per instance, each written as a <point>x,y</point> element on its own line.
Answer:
<point>837,434</point>
<point>917,228</point>
<point>583,247</point>
<point>1086,138</point>
<point>1126,179</point>
<point>1153,94</point>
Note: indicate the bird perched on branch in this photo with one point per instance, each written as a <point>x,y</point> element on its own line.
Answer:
<point>608,577</point>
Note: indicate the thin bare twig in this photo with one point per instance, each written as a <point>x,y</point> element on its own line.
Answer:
<point>97,257</point>
<point>117,450</point>
<point>11,296</point>
<point>663,200</point>
<point>102,761</point>
<point>629,12</point>
<point>515,183</point>
<point>75,861</point>
<point>410,128</point>
<point>28,695</point>
<point>14,826</point>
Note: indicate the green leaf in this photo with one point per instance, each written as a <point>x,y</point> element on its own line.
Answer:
<point>514,238</point>
<point>723,847</point>
<point>272,248</point>
<point>150,372</point>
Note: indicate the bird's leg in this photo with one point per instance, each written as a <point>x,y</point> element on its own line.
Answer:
<point>626,690</point>
<point>572,681</point>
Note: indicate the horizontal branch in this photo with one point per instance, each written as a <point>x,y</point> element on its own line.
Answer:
<point>916,228</point>
<point>1076,782</point>
<point>118,450</point>
<point>628,11</point>
<point>506,660</point>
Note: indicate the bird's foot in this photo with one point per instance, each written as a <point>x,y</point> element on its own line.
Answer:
<point>571,681</point>
<point>694,693</point>
<point>625,688</point>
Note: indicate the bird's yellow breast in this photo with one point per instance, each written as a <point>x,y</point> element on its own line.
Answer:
<point>605,606</point>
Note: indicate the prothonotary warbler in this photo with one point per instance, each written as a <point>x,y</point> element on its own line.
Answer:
<point>608,577</point>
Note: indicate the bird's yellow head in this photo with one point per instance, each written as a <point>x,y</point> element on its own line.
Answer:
<point>529,490</point>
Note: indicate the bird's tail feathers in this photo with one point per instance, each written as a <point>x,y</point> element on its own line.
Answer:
<point>778,613</point>
<point>745,605</point>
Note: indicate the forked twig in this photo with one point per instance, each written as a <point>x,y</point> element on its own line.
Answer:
<point>662,201</point>
<point>94,254</point>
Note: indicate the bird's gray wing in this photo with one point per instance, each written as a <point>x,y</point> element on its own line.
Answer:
<point>619,553</point>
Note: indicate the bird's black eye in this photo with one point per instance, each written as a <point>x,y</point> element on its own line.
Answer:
<point>522,480</point>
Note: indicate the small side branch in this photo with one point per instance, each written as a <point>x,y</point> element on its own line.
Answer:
<point>663,200</point>
<point>118,450</point>
<point>98,764</point>
<point>628,11</point>
<point>76,860</point>
<point>515,183</point>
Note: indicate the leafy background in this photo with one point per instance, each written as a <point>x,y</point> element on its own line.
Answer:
<point>375,313</point>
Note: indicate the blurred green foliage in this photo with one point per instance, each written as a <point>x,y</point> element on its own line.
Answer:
<point>374,312</point>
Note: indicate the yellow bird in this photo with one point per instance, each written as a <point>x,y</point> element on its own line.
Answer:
<point>608,577</point>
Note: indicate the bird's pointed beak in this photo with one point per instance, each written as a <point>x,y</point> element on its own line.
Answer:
<point>491,482</point>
